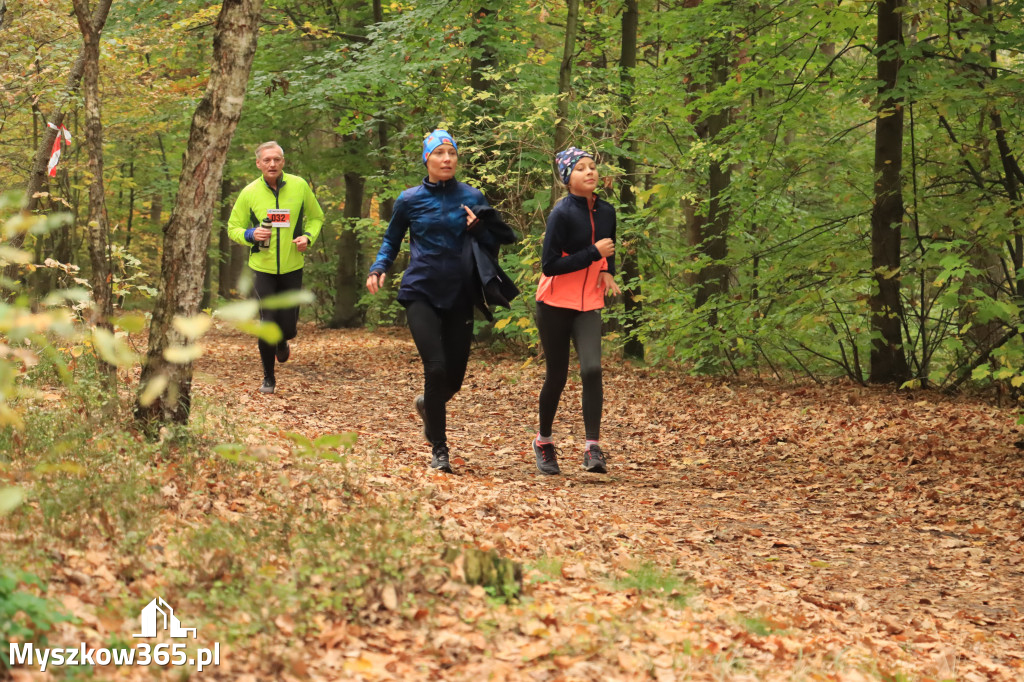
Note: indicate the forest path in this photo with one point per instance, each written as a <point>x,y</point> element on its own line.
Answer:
<point>821,526</point>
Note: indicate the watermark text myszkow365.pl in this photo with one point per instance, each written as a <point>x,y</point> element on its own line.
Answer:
<point>157,615</point>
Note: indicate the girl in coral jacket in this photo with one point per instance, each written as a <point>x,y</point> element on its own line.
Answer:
<point>578,264</point>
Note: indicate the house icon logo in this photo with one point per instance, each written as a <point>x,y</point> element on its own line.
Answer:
<point>159,612</point>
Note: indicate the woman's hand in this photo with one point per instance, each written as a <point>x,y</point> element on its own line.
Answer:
<point>605,247</point>
<point>375,281</point>
<point>470,216</point>
<point>607,282</point>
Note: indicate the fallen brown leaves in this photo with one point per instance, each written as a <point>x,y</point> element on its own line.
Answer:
<point>833,533</point>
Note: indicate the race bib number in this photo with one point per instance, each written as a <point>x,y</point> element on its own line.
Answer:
<point>279,217</point>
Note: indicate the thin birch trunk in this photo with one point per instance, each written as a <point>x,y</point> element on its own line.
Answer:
<point>187,235</point>
<point>37,176</point>
<point>98,229</point>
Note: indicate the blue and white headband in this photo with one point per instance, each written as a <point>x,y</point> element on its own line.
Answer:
<point>435,140</point>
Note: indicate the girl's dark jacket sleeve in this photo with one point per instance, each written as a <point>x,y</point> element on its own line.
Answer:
<point>569,239</point>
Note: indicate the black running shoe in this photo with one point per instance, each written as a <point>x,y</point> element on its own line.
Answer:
<point>547,458</point>
<point>593,460</point>
<point>284,351</point>
<point>268,386</point>
<point>421,410</point>
<point>439,459</point>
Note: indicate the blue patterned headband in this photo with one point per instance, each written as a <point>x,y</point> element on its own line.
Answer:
<point>565,161</point>
<point>435,140</point>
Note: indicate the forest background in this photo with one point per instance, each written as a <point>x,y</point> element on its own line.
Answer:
<point>804,189</point>
<point>807,192</point>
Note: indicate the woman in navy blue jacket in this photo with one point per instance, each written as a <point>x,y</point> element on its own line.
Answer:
<point>435,291</point>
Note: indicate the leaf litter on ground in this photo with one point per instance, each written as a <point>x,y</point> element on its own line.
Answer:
<point>746,529</point>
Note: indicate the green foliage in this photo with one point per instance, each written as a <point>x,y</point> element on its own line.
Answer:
<point>325,548</point>
<point>648,579</point>
<point>323,447</point>
<point>304,561</point>
<point>783,98</point>
<point>501,578</point>
<point>73,446</point>
<point>756,624</point>
<point>548,569</point>
<point>25,615</point>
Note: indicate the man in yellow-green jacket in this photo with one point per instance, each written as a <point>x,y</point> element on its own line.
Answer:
<point>278,217</point>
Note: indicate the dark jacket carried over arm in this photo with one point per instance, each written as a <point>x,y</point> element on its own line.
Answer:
<point>489,285</point>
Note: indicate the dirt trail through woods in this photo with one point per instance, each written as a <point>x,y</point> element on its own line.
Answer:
<point>822,526</point>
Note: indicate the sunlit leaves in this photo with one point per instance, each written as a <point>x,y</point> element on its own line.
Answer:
<point>131,323</point>
<point>265,331</point>
<point>10,499</point>
<point>153,389</point>
<point>113,349</point>
<point>10,256</point>
<point>181,355</point>
<point>287,299</point>
<point>238,311</point>
<point>192,327</point>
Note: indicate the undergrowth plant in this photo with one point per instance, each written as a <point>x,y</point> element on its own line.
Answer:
<point>26,615</point>
<point>650,579</point>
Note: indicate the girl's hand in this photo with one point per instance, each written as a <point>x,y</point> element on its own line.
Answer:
<point>607,282</point>
<point>605,247</point>
<point>375,281</point>
<point>470,216</point>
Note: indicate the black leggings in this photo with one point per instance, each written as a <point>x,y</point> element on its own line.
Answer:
<point>557,326</point>
<point>443,339</point>
<point>266,285</point>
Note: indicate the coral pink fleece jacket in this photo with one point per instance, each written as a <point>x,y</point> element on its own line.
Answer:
<point>570,262</point>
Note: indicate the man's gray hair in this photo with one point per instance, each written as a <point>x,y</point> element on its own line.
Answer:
<point>268,145</point>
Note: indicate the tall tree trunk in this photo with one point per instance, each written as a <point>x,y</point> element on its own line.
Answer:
<point>484,52</point>
<point>131,206</point>
<point>204,302</point>
<point>156,213</point>
<point>565,85</point>
<point>888,358</point>
<point>223,260</point>
<point>187,235</point>
<point>565,74</point>
<point>227,278</point>
<point>628,260</point>
<point>693,221</point>
<point>486,110</point>
<point>37,176</point>
<point>713,278</point>
<point>385,206</point>
<point>156,209</point>
<point>347,282</point>
<point>99,248</point>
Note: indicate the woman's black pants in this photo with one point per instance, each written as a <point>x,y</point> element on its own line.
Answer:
<point>443,339</point>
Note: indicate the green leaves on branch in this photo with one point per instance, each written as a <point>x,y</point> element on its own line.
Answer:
<point>113,348</point>
<point>323,447</point>
<point>287,299</point>
<point>10,499</point>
